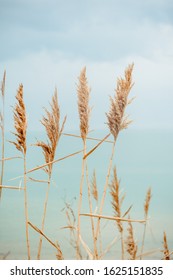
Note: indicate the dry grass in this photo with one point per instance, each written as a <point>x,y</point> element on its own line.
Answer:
<point>84,110</point>
<point>165,247</point>
<point>146,209</point>
<point>20,124</point>
<point>117,201</point>
<point>93,247</point>
<point>83,93</point>
<point>131,243</point>
<point>51,122</point>
<point>116,115</point>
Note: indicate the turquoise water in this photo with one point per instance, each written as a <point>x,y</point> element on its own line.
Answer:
<point>143,159</point>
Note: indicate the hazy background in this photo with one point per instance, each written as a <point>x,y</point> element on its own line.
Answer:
<point>46,43</point>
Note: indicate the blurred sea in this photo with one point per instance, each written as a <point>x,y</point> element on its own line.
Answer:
<point>144,158</point>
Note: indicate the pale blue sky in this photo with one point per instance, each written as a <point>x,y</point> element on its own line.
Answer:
<point>45,43</point>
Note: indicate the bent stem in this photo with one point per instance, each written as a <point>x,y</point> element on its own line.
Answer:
<point>43,218</point>
<point>26,209</point>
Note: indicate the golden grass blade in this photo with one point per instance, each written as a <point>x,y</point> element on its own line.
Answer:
<point>128,210</point>
<point>54,161</point>
<point>11,187</point>
<point>40,232</point>
<point>88,138</point>
<point>93,149</point>
<point>69,227</point>
<point>10,158</point>
<point>37,181</point>
<point>112,218</point>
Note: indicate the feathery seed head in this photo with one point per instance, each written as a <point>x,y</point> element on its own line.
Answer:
<point>147,202</point>
<point>130,242</point>
<point>20,121</point>
<point>83,92</point>
<point>116,118</point>
<point>51,122</point>
<point>116,200</point>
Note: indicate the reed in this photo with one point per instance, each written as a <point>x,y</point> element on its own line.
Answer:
<point>117,121</point>
<point>146,209</point>
<point>51,122</point>
<point>83,93</point>
<point>131,243</point>
<point>20,124</point>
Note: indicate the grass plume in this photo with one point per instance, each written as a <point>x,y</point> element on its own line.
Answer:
<point>83,93</point>
<point>130,242</point>
<point>51,122</point>
<point>116,115</point>
<point>20,124</point>
<point>116,121</point>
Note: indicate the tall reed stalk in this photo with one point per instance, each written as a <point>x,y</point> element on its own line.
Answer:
<point>117,120</point>
<point>2,126</point>
<point>20,124</point>
<point>51,122</point>
<point>83,93</point>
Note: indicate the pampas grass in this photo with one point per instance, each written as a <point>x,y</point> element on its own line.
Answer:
<point>20,124</point>
<point>117,120</point>
<point>92,245</point>
<point>51,122</point>
<point>83,92</point>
